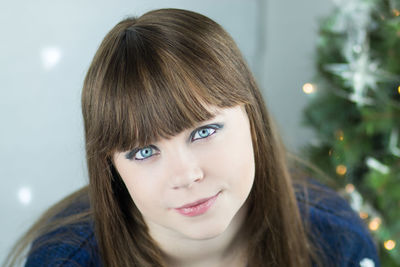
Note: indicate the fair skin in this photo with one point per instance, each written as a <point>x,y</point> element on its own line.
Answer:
<point>210,166</point>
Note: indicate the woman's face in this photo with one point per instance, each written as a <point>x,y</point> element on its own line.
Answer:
<point>193,184</point>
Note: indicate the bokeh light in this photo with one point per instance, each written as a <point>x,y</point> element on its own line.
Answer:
<point>308,88</point>
<point>389,244</point>
<point>50,57</point>
<point>25,195</point>
<point>341,170</point>
<point>374,224</point>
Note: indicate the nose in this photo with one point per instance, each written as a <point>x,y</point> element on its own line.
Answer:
<point>185,170</point>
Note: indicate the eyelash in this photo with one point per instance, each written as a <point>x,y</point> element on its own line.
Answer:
<point>132,155</point>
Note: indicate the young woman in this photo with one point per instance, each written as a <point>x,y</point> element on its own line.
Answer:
<point>184,164</point>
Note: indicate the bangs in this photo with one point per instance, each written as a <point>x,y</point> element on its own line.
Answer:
<point>158,84</point>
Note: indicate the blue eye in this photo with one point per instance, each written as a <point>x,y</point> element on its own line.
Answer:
<point>142,153</point>
<point>205,131</point>
<point>145,153</point>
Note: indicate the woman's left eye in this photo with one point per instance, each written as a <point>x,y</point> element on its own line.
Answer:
<point>204,132</point>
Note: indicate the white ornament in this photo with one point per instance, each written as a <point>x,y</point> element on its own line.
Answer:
<point>355,200</point>
<point>360,74</point>
<point>376,165</point>
<point>353,17</point>
<point>394,146</point>
<point>366,262</point>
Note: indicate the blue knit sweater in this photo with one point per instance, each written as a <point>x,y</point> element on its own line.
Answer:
<point>339,233</point>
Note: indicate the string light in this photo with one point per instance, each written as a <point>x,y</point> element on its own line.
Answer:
<point>363,215</point>
<point>341,169</point>
<point>350,188</point>
<point>396,12</point>
<point>339,135</point>
<point>398,89</point>
<point>374,224</point>
<point>389,244</point>
<point>308,88</point>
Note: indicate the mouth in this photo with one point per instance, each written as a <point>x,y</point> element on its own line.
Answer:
<point>198,207</point>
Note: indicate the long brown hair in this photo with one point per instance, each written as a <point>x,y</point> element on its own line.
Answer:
<point>152,77</point>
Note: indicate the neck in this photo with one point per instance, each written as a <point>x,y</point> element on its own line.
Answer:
<point>226,249</point>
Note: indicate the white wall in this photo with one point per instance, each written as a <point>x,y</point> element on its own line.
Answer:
<point>46,47</point>
<point>292,27</point>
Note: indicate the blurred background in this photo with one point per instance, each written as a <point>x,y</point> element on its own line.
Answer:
<point>47,46</point>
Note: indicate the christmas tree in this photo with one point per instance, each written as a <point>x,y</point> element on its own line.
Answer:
<point>354,109</point>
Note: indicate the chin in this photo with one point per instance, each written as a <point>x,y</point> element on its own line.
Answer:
<point>206,235</point>
<point>206,232</point>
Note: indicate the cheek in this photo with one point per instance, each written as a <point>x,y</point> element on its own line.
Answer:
<point>243,167</point>
<point>232,162</point>
<point>142,187</point>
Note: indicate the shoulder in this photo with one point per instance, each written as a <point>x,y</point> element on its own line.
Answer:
<point>335,229</point>
<point>68,239</point>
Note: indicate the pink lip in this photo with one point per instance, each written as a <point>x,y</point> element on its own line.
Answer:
<point>198,207</point>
